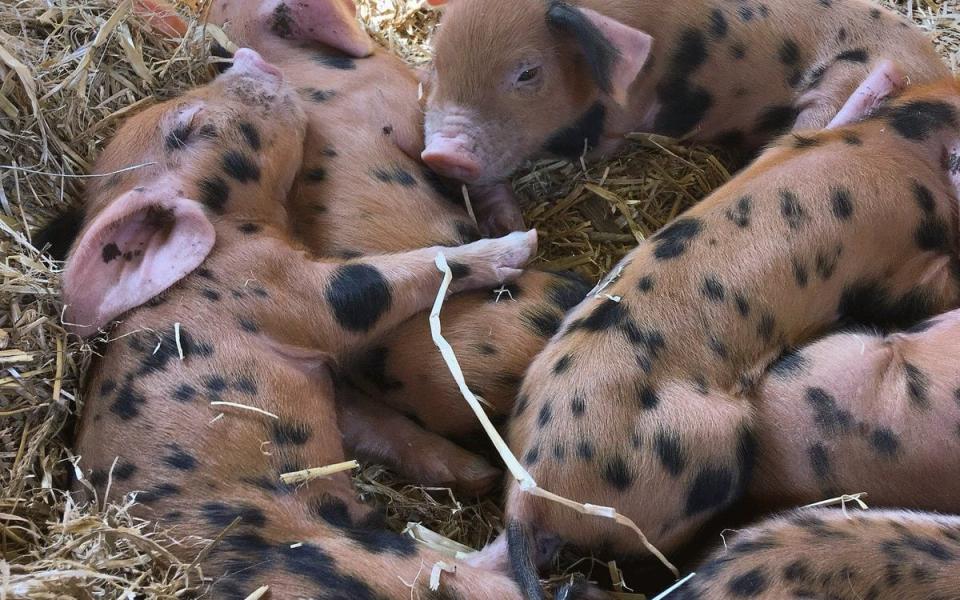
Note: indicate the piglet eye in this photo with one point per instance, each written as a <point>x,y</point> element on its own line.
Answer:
<point>528,75</point>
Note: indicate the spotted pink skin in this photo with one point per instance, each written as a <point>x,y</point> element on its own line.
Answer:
<point>258,324</point>
<point>654,397</point>
<point>826,553</point>
<point>716,71</point>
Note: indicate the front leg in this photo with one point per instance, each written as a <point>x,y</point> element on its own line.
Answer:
<point>335,307</point>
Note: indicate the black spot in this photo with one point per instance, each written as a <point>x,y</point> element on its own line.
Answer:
<point>568,142</point>
<point>712,289</point>
<point>315,175</point>
<point>710,490</point>
<point>766,327</point>
<point>649,399</point>
<point>841,202</point>
<point>245,385</point>
<point>566,293</point>
<point>617,473</point>
<point>532,456</point>
<point>789,52</point>
<point>819,460</point>
<point>801,142</point>
<point>220,514</point>
<point>158,492</point>
<point>842,34</point>
<point>185,393</point>
<point>521,406</point>
<point>395,174</point>
<point>214,383</point>
<point>826,263</point>
<point>128,402</point>
<point>290,434</point>
<point>250,134</point>
<point>606,315</point>
<point>645,283</point>
<point>745,13</point>
<point>321,96</point>
<point>578,406</point>
<point>110,252</point>
<point>541,322</point>
<point>673,240</point>
<point>177,139</point>
<point>718,24</point>
<point>335,60</point>
<point>719,348</point>
<point>240,167</point>
<point>249,228</point>
<point>585,450</point>
<point>544,416</point>
<point>359,296</point>
<point>212,295</point>
<point>124,471</point>
<point>97,478</point>
<point>743,305</point>
<point>875,13</point>
<point>738,51</point>
<point>791,210</point>
<point>851,139</point>
<point>931,234</point>
<point>281,21</point>
<point>740,213</point>
<point>599,54</point>
<point>918,385</point>
<point>179,458</point>
<point>373,366</point>
<point>749,585</point>
<point>869,303</point>
<point>562,364</point>
<point>248,325</point>
<point>789,363</point>
<point>672,455</point>
<point>916,120</point>
<point>318,567</point>
<point>858,55</point>
<point>800,273</point>
<point>683,105</point>
<point>885,442</point>
<point>214,193</point>
<point>830,419</point>
<point>774,120</point>
<point>797,570</point>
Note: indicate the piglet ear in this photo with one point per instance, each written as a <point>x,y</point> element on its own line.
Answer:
<point>144,242</point>
<point>330,22</point>
<point>615,53</point>
<point>162,16</point>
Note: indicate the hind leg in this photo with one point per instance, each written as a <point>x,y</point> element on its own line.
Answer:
<point>861,412</point>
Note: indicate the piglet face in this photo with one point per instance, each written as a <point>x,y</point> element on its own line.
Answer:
<point>513,79</point>
<point>228,149</point>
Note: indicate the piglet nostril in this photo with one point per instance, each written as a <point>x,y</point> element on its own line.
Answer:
<point>448,158</point>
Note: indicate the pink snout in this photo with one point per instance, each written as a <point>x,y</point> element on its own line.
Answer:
<point>249,62</point>
<point>448,157</point>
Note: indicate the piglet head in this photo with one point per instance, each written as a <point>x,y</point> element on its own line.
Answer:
<point>330,22</point>
<point>516,78</point>
<point>229,150</point>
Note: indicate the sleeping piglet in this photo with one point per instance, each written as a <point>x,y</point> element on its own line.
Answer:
<point>517,79</point>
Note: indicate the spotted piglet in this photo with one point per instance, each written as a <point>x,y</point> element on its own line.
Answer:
<point>867,412</point>
<point>219,305</point>
<point>363,191</point>
<point>517,79</point>
<point>646,399</point>
<point>871,555</point>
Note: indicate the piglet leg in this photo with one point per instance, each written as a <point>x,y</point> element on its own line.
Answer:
<point>496,209</point>
<point>886,79</point>
<point>374,431</point>
<point>336,307</point>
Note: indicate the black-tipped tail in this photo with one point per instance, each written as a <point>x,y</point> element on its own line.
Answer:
<point>521,550</point>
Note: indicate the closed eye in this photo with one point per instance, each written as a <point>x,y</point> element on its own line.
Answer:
<point>177,139</point>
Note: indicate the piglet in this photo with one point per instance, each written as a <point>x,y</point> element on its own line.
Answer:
<point>519,79</point>
<point>825,553</point>
<point>646,398</point>
<point>217,379</point>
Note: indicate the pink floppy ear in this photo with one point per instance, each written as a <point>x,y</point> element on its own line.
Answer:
<point>330,22</point>
<point>144,242</point>
<point>615,53</point>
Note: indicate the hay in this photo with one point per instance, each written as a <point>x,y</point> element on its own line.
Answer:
<point>69,71</point>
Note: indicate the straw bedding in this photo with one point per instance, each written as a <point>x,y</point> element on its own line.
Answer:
<point>69,72</point>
